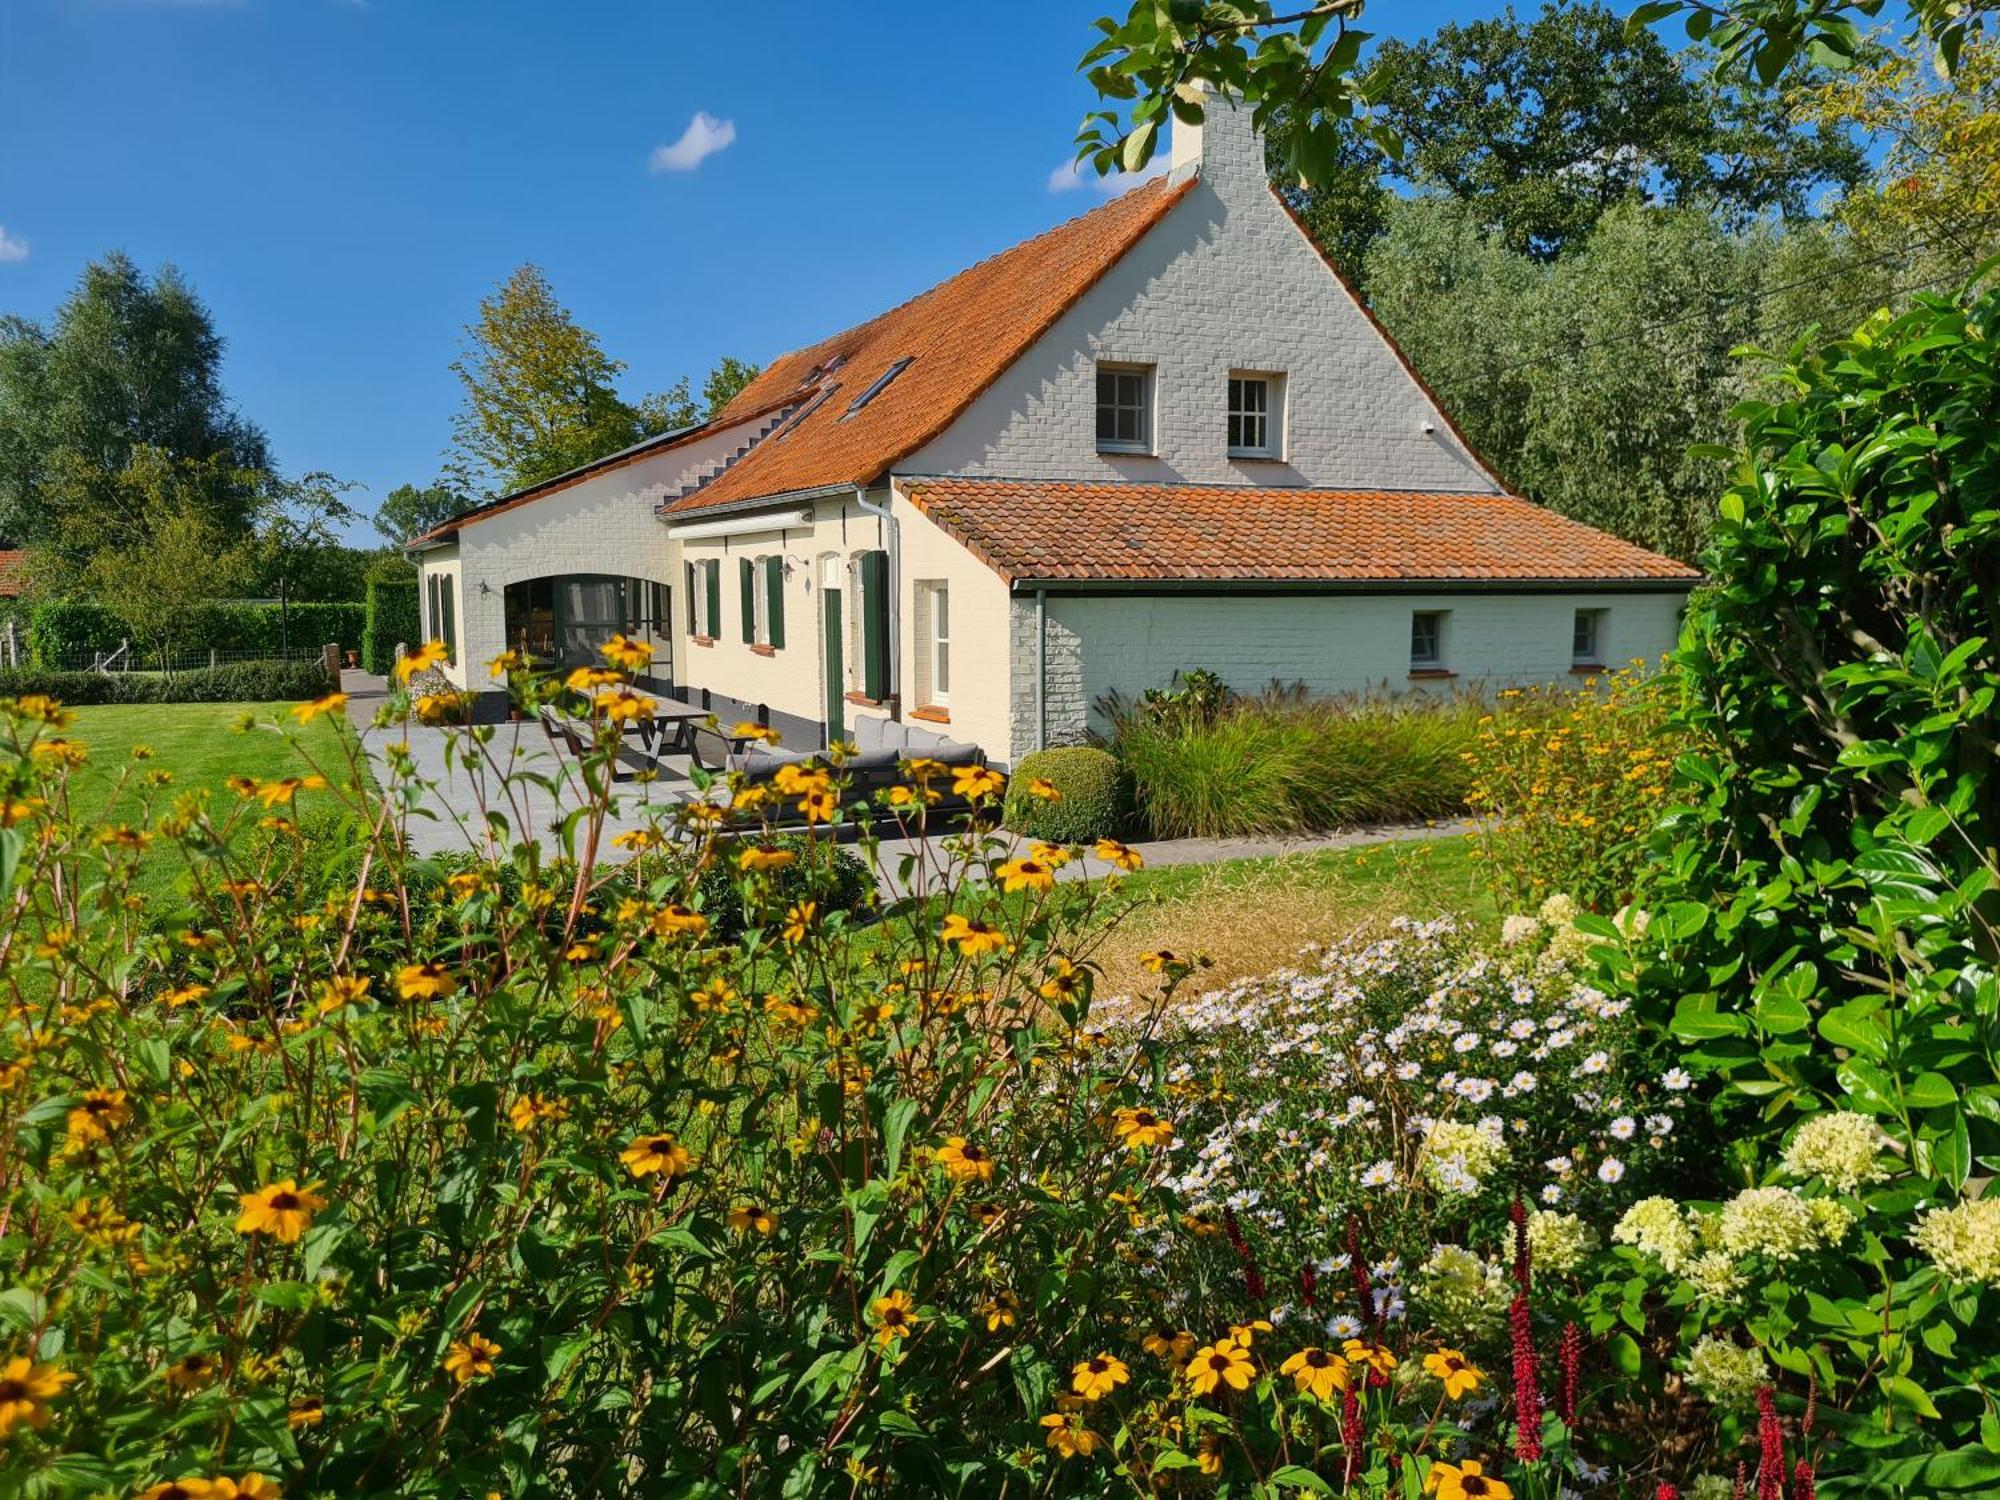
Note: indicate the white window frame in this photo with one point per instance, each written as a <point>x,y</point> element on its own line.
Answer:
<point>937,643</point>
<point>1594,655</point>
<point>1435,661</point>
<point>1271,415</point>
<point>700,631</point>
<point>760,601</point>
<point>1145,374</point>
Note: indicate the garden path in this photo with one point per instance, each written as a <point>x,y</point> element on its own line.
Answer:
<point>452,820</point>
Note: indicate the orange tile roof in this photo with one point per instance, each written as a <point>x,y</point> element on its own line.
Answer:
<point>1061,531</point>
<point>959,337</point>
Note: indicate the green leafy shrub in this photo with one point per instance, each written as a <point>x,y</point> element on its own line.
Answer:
<point>390,614</point>
<point>65,631</point>
<point>837,879</point>
<point>1093,799</point>
<point>1284,762</point>
<point>238,682</point>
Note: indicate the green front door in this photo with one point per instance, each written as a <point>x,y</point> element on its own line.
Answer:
<point>836,685</point>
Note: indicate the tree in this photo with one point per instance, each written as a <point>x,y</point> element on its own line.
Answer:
<point>410,510</point>
<point>160,582</point>
<point>297,521</point>
<point>728,377</point>
<point>675,407</point>
<point>131,364</point>
<point>539,398</point>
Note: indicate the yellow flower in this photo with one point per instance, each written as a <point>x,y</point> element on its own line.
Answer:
<point>332,703</point>
<point>41,708</point>
<point>425,981</point>
<point>470,1358</point>
<point>972,936</point>
<point>895,1317</point>
<point>1069,1437</point>
<point>1161,960</point>
<point>799,921</point>
<point>507,661</point>
<point>1170,1344</point>
<point>187,1487</point>
<point>1246,1333</point>
<point>965,1162</point>
<point>282,1210</point>
<point>528,1111</point>
<point>1043,789</point>
<point>661,1153</point>
<point>759,858</point>
<point>1316,1372</point>
<point>630,655</point>
<point>1377,1358</point>
<point>1000,1310</point>
<point>1026,875</point>
<point>590,679</point>
<point>280,792</point>
<point>1459,1378</point>
<point>252,1486</point>
<point>819,805</point>
<point>637,839</point>
<point>1466,1481</point>
<point>749,1218</point>
<point>305,1411</point>
<point>676,920</point>
<point>1122,855</point>
<point>1065,981</point>
<point>101,1112</point>
<point>26,1389</point>
<point>1098,1376</point>
<point>1208,1456</point>
<point>975,782</point>
<point>1139,1128</point>
<point>625,706</point>
<point>1224,1362</point>
<point>430,654</point>
<point>761,734</point>
<point>192,1371</point>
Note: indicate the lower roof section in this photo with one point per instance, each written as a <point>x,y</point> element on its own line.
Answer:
<point>1145,537</point>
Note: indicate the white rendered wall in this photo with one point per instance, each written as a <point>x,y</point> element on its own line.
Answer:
<point>1332,643</point>
<point>1227,281</point>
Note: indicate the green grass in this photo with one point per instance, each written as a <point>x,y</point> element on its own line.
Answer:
<point>202,745</point>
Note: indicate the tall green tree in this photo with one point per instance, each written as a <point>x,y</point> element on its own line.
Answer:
<point>676,407</point>
<point>728,377</point>
<point>409,510</point>
<point>131,364</point>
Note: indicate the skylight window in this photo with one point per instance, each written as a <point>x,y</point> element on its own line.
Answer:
<point>881,383</point>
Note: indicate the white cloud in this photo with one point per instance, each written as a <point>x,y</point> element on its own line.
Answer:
<point>12,246</point>
<point>1070,177</point>
<point>704,136</point>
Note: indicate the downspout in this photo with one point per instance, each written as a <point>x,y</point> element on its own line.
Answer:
<point>1041,669</point>
<point>894,536</point>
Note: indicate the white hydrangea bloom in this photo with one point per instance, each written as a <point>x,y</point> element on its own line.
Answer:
<point>1840,1147</point>
<point>1728,1374</point>
<point>1964,1241</point>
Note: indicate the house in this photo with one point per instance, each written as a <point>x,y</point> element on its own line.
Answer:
<point>1163,435</point>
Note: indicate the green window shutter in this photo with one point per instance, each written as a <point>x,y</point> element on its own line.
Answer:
<point>746,578</point>
<point>875,625</point>
<point>774,603</point>
<point>714,566</point>
<point>687,588</point>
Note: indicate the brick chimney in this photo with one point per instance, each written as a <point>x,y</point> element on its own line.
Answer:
<point>1224,148</point>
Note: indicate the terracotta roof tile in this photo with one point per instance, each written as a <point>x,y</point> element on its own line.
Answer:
<point>1113,532</point>
<point>958,337</point>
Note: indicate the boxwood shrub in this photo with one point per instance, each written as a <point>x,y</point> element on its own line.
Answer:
<point>1096,799</point>
<point>392,615</point>
<point>238,682</point>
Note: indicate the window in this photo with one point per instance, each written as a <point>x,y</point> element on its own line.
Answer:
<point>441,626</point>
<point>1586,642</point>
<point>1427,641</point>
<point>762,581</point>
<point>881,382</point>
<point>867,634</point>
<point>704,598</point>
<point>934,637</point>
<point>1253,416</point>
<point>1124,409</point>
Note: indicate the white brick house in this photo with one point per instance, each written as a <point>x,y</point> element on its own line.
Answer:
<point>1164,435</point>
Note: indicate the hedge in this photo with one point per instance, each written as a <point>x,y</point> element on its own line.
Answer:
<point>73,628</point>
<point>1094,798</point>
<point>392,616</point>
<point>239,682</point>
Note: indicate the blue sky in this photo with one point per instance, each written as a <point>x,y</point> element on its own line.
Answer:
<point>343,179</point>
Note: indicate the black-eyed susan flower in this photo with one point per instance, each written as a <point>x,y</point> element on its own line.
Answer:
<point>530,1110</point>
<point>1123,856</point>
<point>1224,1362</point>
<point>977,782</point>
<point>659,1154</point>
<point>759,859</point>
<point>281,791</point>
<point>192,1371</point>
<point>627,655</point>
<point>1468,1481</point>
<point>895,1317</point>
<point>97,1114</point>
<point>677,921</point>
<point>1318,1373</point>
<point>26,1389</point>
<point>423,659</point>
<point>251,1486</point>
<point>1065,980</point>
<point>752,1218</point>
<point>1246,1333</point>
<point>1140,1128</point>
<point>1069,1436</point>
<point>470,1358</point>
<point>342,991</point>
<point>624,706</point>
<point>187,1487</point>
<point>332,703</point>
<point>1098,1376</point>
<point>971,936</point>
<point>756,734</point>
<point>1044,790</point>
<point>1173,1345</point>
<point>304,1411</point>
<point>986,1215</point>
<point>430,980</point>
<point>1000,1310</point>
<point>1161,960</point>
<point>965,1162</point>
<point>507,661</point>
<point>1374,1356</point>
<point>1451,1367</point>
<point>1025,875</point>
<point>283,1210</point>
<point>590,679</point>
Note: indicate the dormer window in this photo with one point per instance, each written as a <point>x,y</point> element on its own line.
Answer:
<point>1124,408</point>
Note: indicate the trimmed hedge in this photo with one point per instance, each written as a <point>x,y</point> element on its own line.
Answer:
<point>1096,796</point>
<point>391,616</point>
<point>70,628</point>
<point>239,682</point>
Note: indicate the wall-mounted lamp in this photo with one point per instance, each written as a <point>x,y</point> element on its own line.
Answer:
<point>485,587</point>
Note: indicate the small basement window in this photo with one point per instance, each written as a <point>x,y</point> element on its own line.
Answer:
<point>1253,416</point>
<point>1427,641</point>
<point>1124,409</point>
<point>1586,642</point>
<point>881,383</point>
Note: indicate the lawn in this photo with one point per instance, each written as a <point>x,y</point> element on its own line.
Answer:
<point>202,744</point>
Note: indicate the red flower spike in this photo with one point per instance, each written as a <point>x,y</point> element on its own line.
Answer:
<point>1527,1383</point>
<point>1519,1215</point>
<point>1770,1447</point>
<point>1308,1286</point>
<point>1740,1492</point>
<point>1666,1492</point>
<point>1350,1433</point>
<point>1572,1364</point>
<point>1803,1486</point>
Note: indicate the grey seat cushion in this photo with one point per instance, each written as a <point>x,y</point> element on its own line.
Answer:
<point>871,733</point>
<point>765,758</point>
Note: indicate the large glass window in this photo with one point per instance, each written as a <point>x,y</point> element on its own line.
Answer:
<point>564,619</point>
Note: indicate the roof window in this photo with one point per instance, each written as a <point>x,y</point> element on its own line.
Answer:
<point>881,383</point>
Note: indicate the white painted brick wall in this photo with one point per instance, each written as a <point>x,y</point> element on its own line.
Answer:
<point>1226,282</point>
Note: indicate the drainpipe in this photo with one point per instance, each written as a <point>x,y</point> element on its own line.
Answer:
<point>894,536</point>
<point>1041,669</point>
